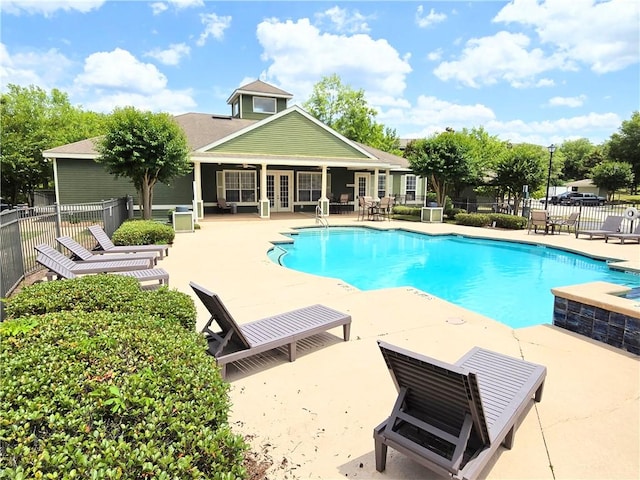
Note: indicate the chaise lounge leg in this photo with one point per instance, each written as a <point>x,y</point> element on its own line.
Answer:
<point>292,351</point>
<point>538,395</point>
<point>346,331</point>
<point>508,440</point>
<point>381,455</point>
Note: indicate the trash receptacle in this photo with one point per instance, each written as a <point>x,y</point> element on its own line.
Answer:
<point>182,209</point>
<point>234,208</point>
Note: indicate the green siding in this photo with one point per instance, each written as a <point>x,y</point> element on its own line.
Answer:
<point>291,134</point>
<point>246,106</point>
<point>81,181</point>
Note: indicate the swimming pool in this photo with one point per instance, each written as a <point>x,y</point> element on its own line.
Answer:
<point>507,281</point>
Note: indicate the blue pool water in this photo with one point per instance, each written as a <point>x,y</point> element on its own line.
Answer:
<point>507,281</point>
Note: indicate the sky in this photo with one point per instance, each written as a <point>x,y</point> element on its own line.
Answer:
<point>525,70</point>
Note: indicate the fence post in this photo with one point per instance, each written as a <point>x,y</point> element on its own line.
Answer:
<point>56,207</point>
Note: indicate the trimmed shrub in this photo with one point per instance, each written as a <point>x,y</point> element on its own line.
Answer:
<point>409,211</point>
<point>453,211</point>
<point>143,232</point>
<point>112,395</point>
<point>110,293</point>
<point>473,219</point>
<point>512,222</point>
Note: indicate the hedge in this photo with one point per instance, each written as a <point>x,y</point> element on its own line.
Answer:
<point>112,395</point>
<point>112,293</point>
<point>143,232</point>
<point>512,222</point>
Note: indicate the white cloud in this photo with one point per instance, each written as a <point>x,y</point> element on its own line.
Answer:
<point>171,55</point>
<point>344,21</point>
<point>164,100</point>
<point>572,102</point>
<point>120,70</point>
<point>600,34</point>
<point>181,4</point>
<point>158,7</point>
<point>435,55</point>
<point>44,69</point>
<point>502,57</point>
<point>430,19</point>
<point>214,26</point>
<point>301,55</point>
<point>48,7</point>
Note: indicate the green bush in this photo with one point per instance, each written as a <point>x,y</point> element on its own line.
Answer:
<point>453,211</point>
<point>112,395</point>
<point>405,210</point>
<point>111,293</point>
<point>513,222</point>
<point>143,232</point>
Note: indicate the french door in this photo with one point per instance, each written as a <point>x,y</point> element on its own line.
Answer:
<point>280,191</point>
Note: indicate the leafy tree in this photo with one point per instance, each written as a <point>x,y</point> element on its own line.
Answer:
<point>624,146</point>
<point>578,155</point>
<point>348,113</point>
<point>612,176</point>
<point>147,148</point>
<point>443,159</point>
<point>521,165</point>
<point>34,121</point>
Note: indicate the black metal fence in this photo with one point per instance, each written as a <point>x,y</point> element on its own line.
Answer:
<point>24,228</point>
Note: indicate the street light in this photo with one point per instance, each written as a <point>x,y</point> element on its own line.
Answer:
<point>551,148</point>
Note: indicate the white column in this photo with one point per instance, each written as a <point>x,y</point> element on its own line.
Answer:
<point>376,174</point>
<point>324,201</point>
<point>198,207</point>
<point>263,204</point>
<point>387,182</point>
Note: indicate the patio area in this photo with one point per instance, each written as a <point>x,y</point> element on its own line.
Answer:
<point>314,418</point>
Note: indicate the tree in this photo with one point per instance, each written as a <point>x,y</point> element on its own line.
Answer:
<point>147,148</point>
<point>612,176</point>
<point>34,121</point>
<point>521,165</point>
<point>347,112</point>
<point>624,146</point>
<point>577,155</point>
<point>443,159</point>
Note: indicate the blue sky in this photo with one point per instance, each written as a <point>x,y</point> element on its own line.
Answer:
<point>525,70</point>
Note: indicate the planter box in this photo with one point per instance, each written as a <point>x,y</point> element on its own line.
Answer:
<point>432,214</point>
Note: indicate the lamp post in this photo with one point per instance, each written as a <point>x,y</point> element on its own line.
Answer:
<point>551,148</point>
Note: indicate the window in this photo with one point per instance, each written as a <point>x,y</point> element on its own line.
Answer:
<point>236,108</point>
<point>309,186</point>
<point>382,185</point>
<point>240,186</point>
<point>410,189</point>
<point>264,105</point>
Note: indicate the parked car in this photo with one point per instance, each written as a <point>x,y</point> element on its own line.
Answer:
<point>578,198</point>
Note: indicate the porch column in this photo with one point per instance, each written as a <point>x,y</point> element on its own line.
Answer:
<point>324,201</point>
<point>198,206</point>
<point>376,175</point>
<point>387,182</point>
<point>263,204</point>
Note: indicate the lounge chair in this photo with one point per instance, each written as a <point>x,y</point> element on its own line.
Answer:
<point>634,235</point>
<point>107,245</point>
<point>452,418</point>
<point>158,276</point>
<point>570,222</point>
<point>611,224</point>
<point>234,342</point>
<point>80,268</point>
<point>223,206</point>
<point>85,255</point>
<point>540,218</point>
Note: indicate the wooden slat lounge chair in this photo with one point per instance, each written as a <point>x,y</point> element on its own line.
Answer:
<point>157,276</point>
<point>452,418</point>
<point>234,342</point>
<point>611,224</point>
<point>635,235</point>
<point>85,255</point>
<point>107,245</point>
<point>80,268</point>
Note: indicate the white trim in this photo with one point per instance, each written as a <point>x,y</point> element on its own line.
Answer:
<point>270,112</point>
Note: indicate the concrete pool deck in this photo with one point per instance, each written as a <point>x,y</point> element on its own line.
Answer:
<point>314,418</point>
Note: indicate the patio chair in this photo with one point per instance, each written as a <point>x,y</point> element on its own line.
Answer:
<point>234,342</point>
<point>343,203</point>
<point>634,235</point>
<point>570,222</point>
<point>364,204</point>
<point>540,218</point>
<point>107,245</point>
<point>611,224</point>
<point>83,254</point>
<point>80,268</point>
<point>223,206</point>
<point>453,418</point>
<point>158,276</point>
<point>385,207</point>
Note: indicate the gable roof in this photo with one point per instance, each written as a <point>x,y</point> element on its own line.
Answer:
<point>260,89</point>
